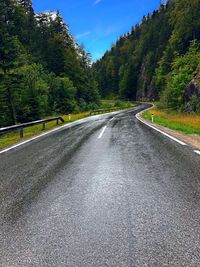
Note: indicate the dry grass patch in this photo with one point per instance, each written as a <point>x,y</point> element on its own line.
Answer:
<point>184,122</point>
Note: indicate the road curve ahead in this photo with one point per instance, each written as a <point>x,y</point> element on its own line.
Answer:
<point>108,191</point>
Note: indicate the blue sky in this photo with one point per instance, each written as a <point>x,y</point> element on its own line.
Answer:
<point>97,24</point>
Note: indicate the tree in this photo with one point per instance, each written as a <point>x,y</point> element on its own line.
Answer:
<point>33,103</point>
<point>66,96</point>
<point>184,68</point>
<point>42,69</point>
<point>12,57</point>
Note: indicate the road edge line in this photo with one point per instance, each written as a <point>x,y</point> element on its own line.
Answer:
<point>158,130</point>
<point>68,125</point>
<point>197,152</point>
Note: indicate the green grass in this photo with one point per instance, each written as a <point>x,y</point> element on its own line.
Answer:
<point>116,104</point>
<point>183,122</point>
<point>13,137</point>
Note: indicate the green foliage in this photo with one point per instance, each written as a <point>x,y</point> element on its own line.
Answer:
<point>33,99</point>
<point>129,67</point>
<point>195,103</point>
<point>156,58</point>
<point>13,56</point>
<point>183,70</point>
<point>123,105</point>
<point>65,96</point>
<point>42,70</point>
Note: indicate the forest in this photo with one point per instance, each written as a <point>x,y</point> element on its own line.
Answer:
<point>43,71</point>
<point>157,59</point>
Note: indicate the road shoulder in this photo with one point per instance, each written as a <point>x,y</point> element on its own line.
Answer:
<point>189,139</point>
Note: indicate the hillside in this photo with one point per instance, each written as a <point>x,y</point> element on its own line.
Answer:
<point>43,71</point>
<point>157,59</point>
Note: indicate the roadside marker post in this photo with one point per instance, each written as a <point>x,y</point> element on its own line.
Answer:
<point>43,126</point>
<point>152,118</point>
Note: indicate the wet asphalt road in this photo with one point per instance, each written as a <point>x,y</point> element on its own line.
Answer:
<point>130,198</point>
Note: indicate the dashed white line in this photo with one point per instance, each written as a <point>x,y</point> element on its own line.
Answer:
<point>41,135</point>
<point>103,129</point>
<point>165,134</point>
<point>102,132</point>
<point>197,152</point>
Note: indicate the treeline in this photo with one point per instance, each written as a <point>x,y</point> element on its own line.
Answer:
<point>157,58</point>
<point>42,69</point>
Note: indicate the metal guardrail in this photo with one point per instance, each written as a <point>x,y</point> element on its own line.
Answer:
<point>98,111</point>
<point>21,127</point>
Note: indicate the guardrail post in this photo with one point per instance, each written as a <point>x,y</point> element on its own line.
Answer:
<point>43,126</point>
<point>152,118</point>
<point>21,132</point>
<point>21,127</point>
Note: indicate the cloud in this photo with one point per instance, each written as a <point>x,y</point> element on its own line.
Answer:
<point>97,2</point>
<point>82,35</point>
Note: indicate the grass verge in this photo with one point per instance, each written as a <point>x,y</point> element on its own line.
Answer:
<point>184,122</point>
<point>12,138</point>
<point>116,104</point>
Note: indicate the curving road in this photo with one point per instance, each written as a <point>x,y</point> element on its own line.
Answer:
<point>106,191</point>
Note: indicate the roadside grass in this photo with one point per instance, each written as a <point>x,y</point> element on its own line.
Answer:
<point>184,122</point>
<point>116,104</point>
<point>12,138</point>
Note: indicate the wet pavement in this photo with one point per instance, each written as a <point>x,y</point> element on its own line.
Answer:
<point>128,199</point>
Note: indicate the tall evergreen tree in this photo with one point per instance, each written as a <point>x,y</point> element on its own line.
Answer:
<point>40,63</point>
<point>138,66</point>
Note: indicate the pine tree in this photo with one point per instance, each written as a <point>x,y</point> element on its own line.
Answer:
<point>12,57</point>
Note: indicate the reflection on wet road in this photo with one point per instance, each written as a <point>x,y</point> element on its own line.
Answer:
<point>108,191</point>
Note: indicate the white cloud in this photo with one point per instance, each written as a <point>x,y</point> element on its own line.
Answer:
<point>82,35</point>
<point>97,2</point>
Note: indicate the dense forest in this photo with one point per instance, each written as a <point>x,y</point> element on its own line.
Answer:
<point>43,71</point>
<point>157,59</point>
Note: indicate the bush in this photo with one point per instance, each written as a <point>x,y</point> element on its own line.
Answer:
<point>194,104</point>
<point>183,71</point>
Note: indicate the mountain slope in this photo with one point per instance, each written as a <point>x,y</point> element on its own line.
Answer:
<point>140,64</point>
<point>42,69</point>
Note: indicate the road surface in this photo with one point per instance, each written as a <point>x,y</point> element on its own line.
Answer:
<point>108,191</point>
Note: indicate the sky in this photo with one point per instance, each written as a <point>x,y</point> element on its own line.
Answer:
<point>97,24</point>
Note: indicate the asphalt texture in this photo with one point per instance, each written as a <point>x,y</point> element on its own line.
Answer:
<point>128,199</point>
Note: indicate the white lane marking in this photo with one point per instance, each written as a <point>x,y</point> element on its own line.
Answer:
<point>169,136</point>
<point>31,139</point>
<point>102,132</point>
<point>197,152</point>
<point>112,119</point>
<point>57,129</point>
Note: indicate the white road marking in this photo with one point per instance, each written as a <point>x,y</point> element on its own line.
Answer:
<point>112,119</point>
<point>102,132</point>
<point>31,139</point>
<point>165,134</point>
<point>41,135</point>
<point>197,152</point>
<point>56,129</point>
